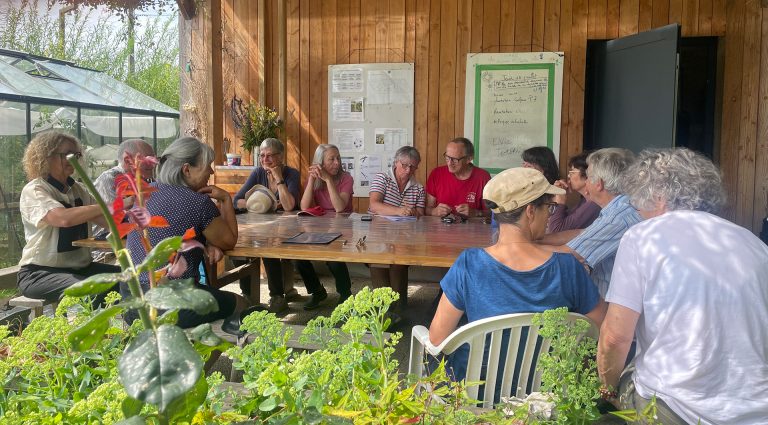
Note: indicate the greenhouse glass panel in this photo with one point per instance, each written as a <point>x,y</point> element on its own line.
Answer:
<point>25,84</point>
<point>13,117</point>
<point>164,142</point>
<point>53,117</point>
<point>108,88</point>
<point>12,180</point>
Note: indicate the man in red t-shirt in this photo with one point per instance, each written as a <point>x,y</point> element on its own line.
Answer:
<point>457,187</point>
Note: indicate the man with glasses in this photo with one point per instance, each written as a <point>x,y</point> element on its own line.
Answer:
<point>457,186</point>
<point>596,245</point>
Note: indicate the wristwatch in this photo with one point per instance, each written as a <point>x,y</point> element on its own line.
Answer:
<point>280,182</point>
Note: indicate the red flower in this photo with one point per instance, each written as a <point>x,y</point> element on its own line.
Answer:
<point>139,217</point>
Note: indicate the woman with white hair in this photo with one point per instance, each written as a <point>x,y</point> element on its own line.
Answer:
<point>330,188</point>
<point>693,289</point>
<point>185,199</point>
<point>283,181</point>
<point>397,192</point>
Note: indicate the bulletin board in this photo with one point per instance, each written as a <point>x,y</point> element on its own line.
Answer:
<point>513,102</point>
<point>370,116</point>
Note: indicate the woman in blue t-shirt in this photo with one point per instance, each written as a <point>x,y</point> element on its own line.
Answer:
<point>514,275</point>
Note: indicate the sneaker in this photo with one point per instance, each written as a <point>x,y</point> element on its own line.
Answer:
<point>292,295</point>
<point>277,304</point>
<point>316,299</point>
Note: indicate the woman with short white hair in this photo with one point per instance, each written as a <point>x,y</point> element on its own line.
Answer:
<point>693,289</point>
<point>330,188</point>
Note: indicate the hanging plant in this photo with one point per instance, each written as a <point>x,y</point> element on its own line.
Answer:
<point>256,123</point>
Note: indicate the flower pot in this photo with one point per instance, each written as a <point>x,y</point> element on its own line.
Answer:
<point>234,159</point>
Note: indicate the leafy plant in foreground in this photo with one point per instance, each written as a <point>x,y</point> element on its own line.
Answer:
<point>160,366</point>
<point>568,370</point>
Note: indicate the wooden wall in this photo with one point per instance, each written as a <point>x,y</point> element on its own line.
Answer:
<point>436,35</point>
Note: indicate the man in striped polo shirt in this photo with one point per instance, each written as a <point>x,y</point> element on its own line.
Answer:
<point>596,245</point>
<point>397,192</point>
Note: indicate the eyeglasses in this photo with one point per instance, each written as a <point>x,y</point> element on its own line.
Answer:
<point>574,172</point>
<point>409,166</point>
<point>268,155</point>
<point>453,160</point>
<point>64,155</point>
<point>551,207</point>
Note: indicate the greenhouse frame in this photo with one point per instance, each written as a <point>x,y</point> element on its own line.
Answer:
<point>39,93</point>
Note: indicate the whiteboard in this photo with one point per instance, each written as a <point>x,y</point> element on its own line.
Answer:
<point>513,102</point>
<point>370,116</point>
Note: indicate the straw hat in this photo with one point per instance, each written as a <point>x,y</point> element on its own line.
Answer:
<point>262,200</point>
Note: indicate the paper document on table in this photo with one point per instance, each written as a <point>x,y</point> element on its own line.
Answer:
<point>313,238</point>
<point>399,217</point>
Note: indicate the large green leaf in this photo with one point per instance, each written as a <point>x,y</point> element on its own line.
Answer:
<point>159,367</point>
<point>184,408</point>
<point>160,253</point>
<point>93,330</point>
<point>206,341</point>
<point>181,294</point>
<point>131,407</point>
<point>96,284</point>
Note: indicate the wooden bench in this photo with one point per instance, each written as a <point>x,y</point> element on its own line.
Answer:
<point>36,305</point>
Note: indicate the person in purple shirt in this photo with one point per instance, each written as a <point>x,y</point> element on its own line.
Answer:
<point>585,211</point>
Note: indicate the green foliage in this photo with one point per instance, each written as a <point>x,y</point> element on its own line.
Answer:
<point>43,381</point>
<point>568,370</point>
<point>256,123</point>
<point>352,378</point>
<point>91,41</point>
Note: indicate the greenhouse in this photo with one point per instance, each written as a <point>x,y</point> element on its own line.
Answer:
<point>39,93</point>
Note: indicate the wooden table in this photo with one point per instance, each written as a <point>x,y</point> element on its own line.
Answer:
<point>423,242</point>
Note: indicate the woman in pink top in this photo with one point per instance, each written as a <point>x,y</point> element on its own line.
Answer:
<point>329,187</point>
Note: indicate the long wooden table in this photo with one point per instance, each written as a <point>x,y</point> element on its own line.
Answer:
<point>423,242</point>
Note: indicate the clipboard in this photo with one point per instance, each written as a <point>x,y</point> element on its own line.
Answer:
<point>316,238</point>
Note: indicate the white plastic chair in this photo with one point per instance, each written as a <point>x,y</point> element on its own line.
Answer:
<point>474,334</point>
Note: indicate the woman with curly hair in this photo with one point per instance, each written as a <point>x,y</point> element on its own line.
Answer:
<point>692,289</point>
<point>55,211</point>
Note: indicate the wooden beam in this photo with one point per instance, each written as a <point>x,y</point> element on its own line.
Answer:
<point>187,8</point>
<point>216,85</point>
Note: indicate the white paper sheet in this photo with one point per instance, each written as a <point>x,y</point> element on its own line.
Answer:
<point>347,80</point>
<point>367,168</point>
<point>393,87</point>
<point>348,109</point>
<point>390,139</point>
<point>349,139</point>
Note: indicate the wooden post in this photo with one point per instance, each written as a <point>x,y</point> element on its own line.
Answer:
<point>216,85</point>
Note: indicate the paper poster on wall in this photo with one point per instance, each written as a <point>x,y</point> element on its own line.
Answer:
<point>390,139</point>
<point>368,134</point>
<point>513,103</point>
<point>390,87</point>
<point>348,164</point>
<point>348,109</point>
<point>367,168</point>
<point>347,80</point>
<point>349,139</point>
